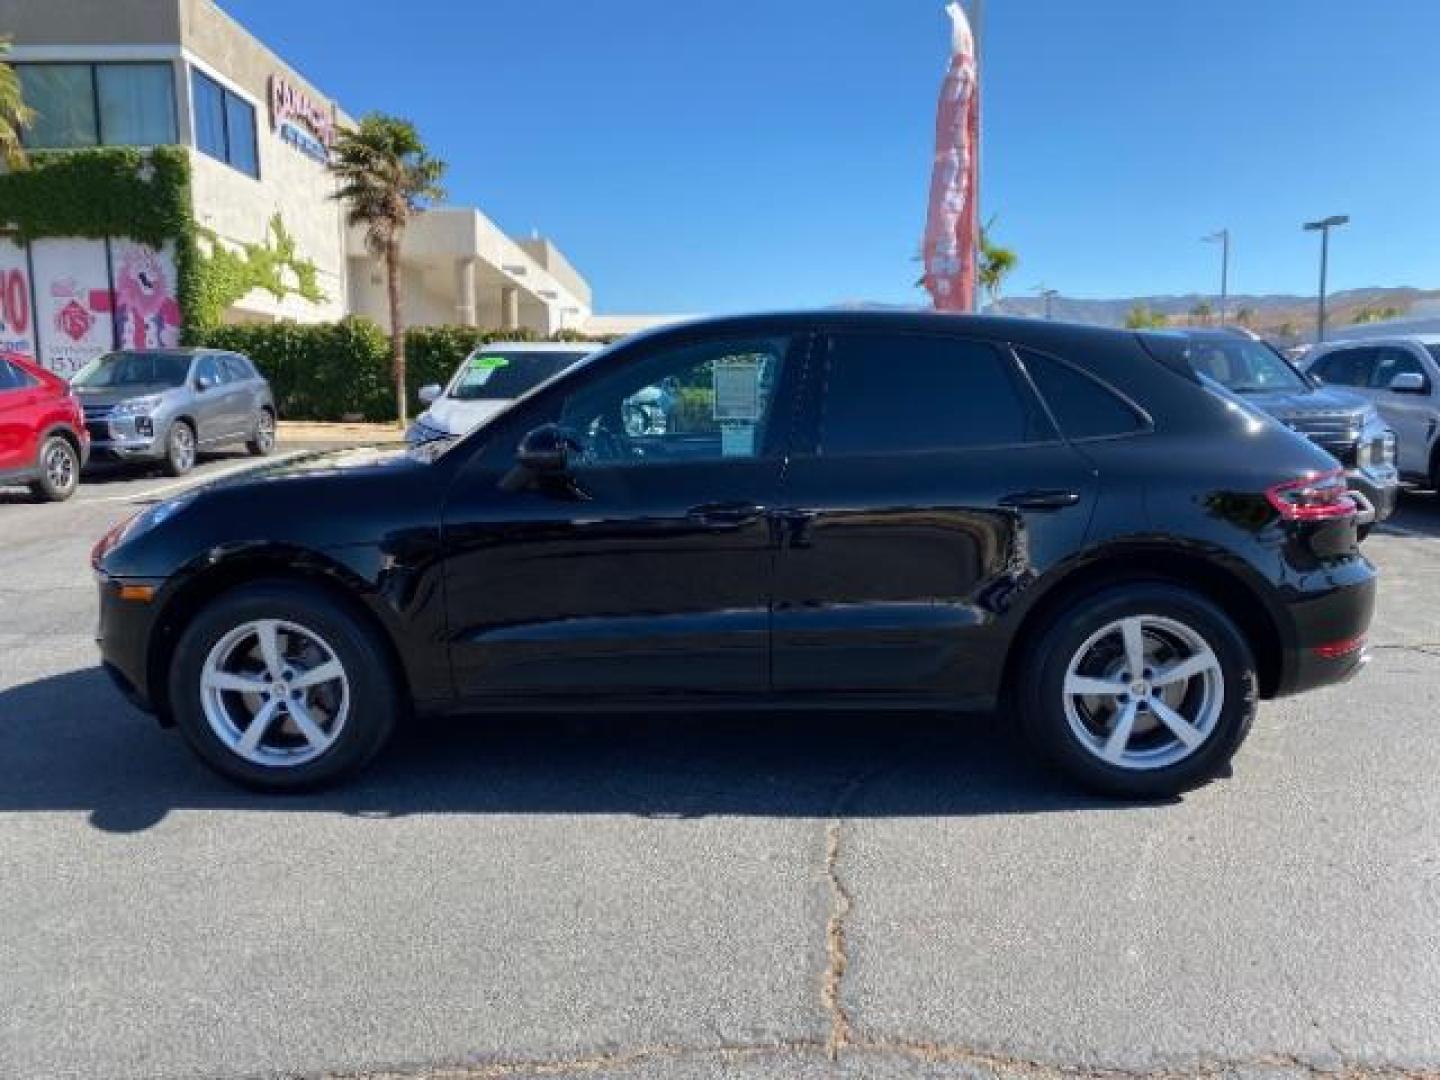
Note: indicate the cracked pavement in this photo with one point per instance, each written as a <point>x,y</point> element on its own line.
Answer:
<point>700,897</point>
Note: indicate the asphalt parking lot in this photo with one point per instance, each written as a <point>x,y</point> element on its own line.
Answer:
<point>772,896</point>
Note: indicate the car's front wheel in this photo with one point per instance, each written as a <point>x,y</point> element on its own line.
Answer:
<point>279,687</point>
<point>1141,690</point>
<point>179,449</point>
<point>59,474</point>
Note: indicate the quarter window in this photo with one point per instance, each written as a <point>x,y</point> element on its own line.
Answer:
<point>710,401</point>
<point>224,124</point>
<point>99,104</point>
<point>903,393</point>
<point>1346,367</point>
<point>1082,406</point>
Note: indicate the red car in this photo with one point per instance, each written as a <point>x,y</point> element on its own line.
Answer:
<point>43,440</point>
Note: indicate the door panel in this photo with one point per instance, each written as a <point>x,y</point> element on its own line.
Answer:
<point>645,572</point>
<point>20,402</point>
<point>1411,416</point>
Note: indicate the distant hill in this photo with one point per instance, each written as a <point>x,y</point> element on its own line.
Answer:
<point>1275,315</point>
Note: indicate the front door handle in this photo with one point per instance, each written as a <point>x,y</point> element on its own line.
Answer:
<point>726,515</point>
<point>1040,499</point>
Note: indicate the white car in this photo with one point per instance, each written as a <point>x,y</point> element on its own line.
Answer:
<point>487,381</point>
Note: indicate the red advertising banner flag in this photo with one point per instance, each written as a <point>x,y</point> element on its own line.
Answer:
<point>952,225</point>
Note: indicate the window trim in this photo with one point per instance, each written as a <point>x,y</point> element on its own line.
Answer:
<point>1147,421</point>
<point>226,94</point>
<point>1020,379</point>
<point>92,67</point>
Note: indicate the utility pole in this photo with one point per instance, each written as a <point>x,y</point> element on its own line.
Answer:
<point>1323,227</point>
<point>1223,239</point>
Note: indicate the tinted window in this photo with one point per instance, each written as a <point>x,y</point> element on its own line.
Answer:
<point>904,393</point>
<point>1084,408</point>
<point>700,402</point>
<point>1391,362</point>
<point>224,124</point>
<point>208,368</point>
<point>1243,365</point>
<point>1346,367</point>
<point>134,369</point>
<point>63,98</point>
<point>137,104</point>
<point>235,369</point>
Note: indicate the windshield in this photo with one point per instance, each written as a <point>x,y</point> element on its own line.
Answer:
<point>495,374</point>
<point>133,369</point>
<point>1244,366</point>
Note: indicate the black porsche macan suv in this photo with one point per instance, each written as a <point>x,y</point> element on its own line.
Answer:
<point>876,510</point>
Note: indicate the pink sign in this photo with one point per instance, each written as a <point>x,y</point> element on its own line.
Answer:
<point>147,313</point>
<point>952,227</point>
<point>17,323</point>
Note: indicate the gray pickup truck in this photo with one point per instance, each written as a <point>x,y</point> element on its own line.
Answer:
<point>164,406</point>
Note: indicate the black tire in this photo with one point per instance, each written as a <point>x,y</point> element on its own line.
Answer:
<point>374,700</point>
<point>180,449</point>
<point>262,443</point>
<point>1043,703</point>
<point>59,466</point>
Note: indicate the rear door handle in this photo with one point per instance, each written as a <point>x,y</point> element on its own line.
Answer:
<point>726,515</point>
<point>1040,499</point>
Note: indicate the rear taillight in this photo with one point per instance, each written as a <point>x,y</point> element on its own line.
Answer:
<point>1321,497</point>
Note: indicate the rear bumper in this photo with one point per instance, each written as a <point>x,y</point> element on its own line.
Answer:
<point>1330,612</point>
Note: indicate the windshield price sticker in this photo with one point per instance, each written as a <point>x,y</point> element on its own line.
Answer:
<point>737,388</point>
<point>488,363</point>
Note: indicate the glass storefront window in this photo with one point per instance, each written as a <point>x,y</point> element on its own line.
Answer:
<point>99,104</point>
<point>63,98</point>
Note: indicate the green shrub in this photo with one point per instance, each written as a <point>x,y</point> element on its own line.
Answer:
<point>332,371</point>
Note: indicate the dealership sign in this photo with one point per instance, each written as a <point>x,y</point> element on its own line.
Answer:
<point>17,334</point>
<point>299,120</point>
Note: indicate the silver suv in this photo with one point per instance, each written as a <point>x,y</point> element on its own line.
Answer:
<point>166,405</point>
<point>1401,375</point>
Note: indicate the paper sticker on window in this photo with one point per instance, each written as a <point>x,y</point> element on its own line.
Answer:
<point>737,440</point>
<point>737,388</point>
<point>488,363</point>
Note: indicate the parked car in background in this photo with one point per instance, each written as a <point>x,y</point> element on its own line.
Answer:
<point>487,381</point>
<point>164,406</point>
<point>1401,377</point>
<point>905,510</point>
<point>43,441</point>
<point>1343,423</point>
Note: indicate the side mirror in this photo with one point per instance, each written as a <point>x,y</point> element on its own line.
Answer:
<point>428,394</point>
<point>1409,382</point>
<point>203,383</point>
<point>547,450</point>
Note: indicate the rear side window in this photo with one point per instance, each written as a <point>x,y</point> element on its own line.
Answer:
<point>236,370</point>
<point>1083,406</point>
<point>1346,367</point>
<point>904,393</point>
<point>13,378</point>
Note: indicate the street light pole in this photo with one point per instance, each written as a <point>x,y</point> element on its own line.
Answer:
<point>1047,295</point>
<point>1223,239</point>
<point>1323,227</point>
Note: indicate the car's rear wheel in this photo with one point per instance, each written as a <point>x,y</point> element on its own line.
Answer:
<point>59,470</point>
<point>279,687</point>
<point>263,442</point>
<point>1141,690</point>
<point>179,449</point>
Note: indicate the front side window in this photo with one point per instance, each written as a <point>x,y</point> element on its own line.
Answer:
<point>224,124</point>
<point>1392,362</point>
<point>905,393</point>
<point>1347,367</point>
<point>99,104</point>
<point>134,369</point>
<point>705,402</point>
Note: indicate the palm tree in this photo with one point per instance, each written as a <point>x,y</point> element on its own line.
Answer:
<point>387,177</point>
<point>14,115</point>
<point>996,263</point>
<point>1144,318</point>
<point>1201,314</point>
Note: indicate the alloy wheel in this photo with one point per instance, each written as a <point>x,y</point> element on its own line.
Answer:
<point>60,470</point>
<point>1143,692</point>
<point>265,432</point>
<point>275,693</point>
<point>182,447</point>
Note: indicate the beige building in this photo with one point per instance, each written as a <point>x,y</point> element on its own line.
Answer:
<point>182,72</point>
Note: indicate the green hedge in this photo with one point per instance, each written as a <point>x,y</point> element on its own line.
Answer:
<point>334,371</point>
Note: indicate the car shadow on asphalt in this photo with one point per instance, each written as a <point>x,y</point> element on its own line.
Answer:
<point>70,743</point>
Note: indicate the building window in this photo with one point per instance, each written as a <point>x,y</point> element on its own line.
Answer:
<point>99,104</point>
<point>224,124</point>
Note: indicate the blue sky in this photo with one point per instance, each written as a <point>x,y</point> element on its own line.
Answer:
<point>738,154</point>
